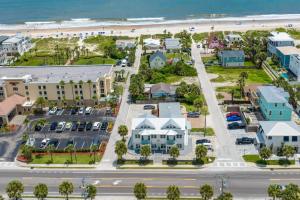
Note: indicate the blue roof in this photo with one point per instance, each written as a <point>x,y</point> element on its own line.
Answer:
<point>159,54</point>
<point>232,53</point>
<point>274,94</point>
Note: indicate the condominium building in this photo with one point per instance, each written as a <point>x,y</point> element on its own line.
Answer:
<point>83,85</point>
<point>16,45</point>
<point>279,39</point>
<point>3,51</point>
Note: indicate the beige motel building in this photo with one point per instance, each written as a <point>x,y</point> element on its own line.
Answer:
<point>65,85</point>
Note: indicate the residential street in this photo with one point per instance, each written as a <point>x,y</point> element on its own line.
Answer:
<point>109,157</point>
<point>226,151</point>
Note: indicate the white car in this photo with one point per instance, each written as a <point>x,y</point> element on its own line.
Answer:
<point>44,142</point>
<point>81,111</point>
<point>53,111</point>
<point>69,125</point>
<point>88,110</point>
<point>96,126</point>
<point>209,146</point>
<point>60,127</point>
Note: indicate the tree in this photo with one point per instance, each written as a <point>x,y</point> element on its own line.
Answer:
<point>173,192</point>
<point>70,149</point>
<point>94,149</point>
<point>123,131</point>
<point>174,152</point>
<point>50,148</point>
<point>140,191</point>
<point>120,149</point>
<point>288,151</point>
<point>205,112</point>
<point>274,191</point>
<point>206,192</point>
<point>145,151</point>
<point>1,197</point>
<point>291,192</point>
<point>27,152</point>
<point>14,189</point>
<point>25,137</point>
<point>91,191</point>
<point>225,196</point>
<point>200,152</point>
<point>40,191</point>
<point>66,188</point>
<point>198,103</point>
<point>265,153</point>
<point>242,82</point>
<point>40,101</point>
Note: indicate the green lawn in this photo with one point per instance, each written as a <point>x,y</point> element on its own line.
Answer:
<point>94,60</point>
<point>64,158</point>
<point>173,78</point>
<point>199,37</point>
<point>135,162</point>
<point>232,74</point>
<point>183,56</point>
<point>205,160</point>
<point>254,158</point>
<point>38,61</point>
<point>228,89</point>
<point>209,131</point>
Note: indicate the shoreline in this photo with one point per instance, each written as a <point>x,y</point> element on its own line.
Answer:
<point>84,26</point>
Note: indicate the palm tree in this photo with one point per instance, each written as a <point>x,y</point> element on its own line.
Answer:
<point>274,191</point>
<point>288,151</point>
<point>14,189</point>
<point>122,73</point>
<point>174,152</point>
<point>41,102</point>
<point>173,192</point>
<point>91,191</point>
<point>50,148</point>
<point>94,149</point>
<point>265,153</point>
<point>225,196</point>
<point>140,191</point>
<point>120,149</point>
<point>201,152</point>
<point>145,151</point>
<point>70,149</point>
<point>40,191</point>
<point>26,122</point>
<point>27,152</point>
<point>89,82</point>
<point>71,82</point>
<point>66,188</point>
<point>123,131</point>
<point>206,192</point>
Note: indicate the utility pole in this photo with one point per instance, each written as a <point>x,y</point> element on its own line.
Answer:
<point>223,183</point>
<point>84,193</point>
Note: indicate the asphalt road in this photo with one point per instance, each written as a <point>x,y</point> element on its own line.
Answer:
<point>120,183</point>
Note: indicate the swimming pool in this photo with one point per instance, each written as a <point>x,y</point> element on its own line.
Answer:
<point>285,76</point>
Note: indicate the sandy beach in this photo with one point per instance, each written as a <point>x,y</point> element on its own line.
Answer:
<point>134,30</point>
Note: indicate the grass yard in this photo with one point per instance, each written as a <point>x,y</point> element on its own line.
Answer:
<point>173,78</point>
<point>38,60</point>
<point>203,161</point>
<point>182,56</point>
<point>232,74</point>
<point>228,89</point>
<point>91,60</point>
<point>64,158</point>
<point>199,37</point>
<point>254,158</point>
<point>209,131</point>
<point>135,162</point>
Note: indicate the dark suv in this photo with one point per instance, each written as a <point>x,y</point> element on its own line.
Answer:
<point>244,140</point>
<point>81,126</point>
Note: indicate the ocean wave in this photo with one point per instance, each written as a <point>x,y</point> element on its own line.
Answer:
<point>146,19</point>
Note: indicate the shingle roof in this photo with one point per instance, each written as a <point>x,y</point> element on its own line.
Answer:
<point>162,87</point>
<point>159,54</point>
<point>278,128</point>
<point>273,94</point>
<point>232,53</point>
<point>10,103</point>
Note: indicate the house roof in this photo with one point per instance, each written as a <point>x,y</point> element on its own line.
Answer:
<point>10,103</point>
<point>151,42</point>
<point>162,87</point>
<point>159,123</point>
<point>280,128</point>
<point>280,36</point>
<point>125,42</point>
<point>54,74</point>
<point>289,50</point>
<point>274,94</point>
<point>3,38</point>
<point>14,39</point>
<point>159,54</point>
<point>172,43</point>
<point>169,110</point>
<point>232,53</point>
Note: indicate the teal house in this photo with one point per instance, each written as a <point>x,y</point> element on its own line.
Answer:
<point>284,54</point>
<point>273,103</point>
<point>232,58</point>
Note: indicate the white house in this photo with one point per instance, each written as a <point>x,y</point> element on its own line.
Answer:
<point>232,38</point>
<point>3,51</point>
<point>122,44</point>
<point>157,60</point>
<point>172,44</point>
<point>17,45</point>
<point>279,39</point>
<point>274,134</point>
<point>152,44</point>
<point>295,65</point>
<point>162,132</point>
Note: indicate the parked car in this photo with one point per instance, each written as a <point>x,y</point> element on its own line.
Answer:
<point>53,111</point>
<point>108,111</point>
<point>149,107</point>
<point>236,125</point>
<point>60,127</point>
<point>233,118</point>
<point>201,141</point>
<point>74,126</point>
<point>89,126</point>
<point>53,142</point>
<point>233,114</point>
<point>74,111</point>
<point>53,126</point>
<point>81,111</point>
<point>96,126</point>
<point>70,141</point>
<point>81,126</point>
<point>44,143</point>
<point>244,140</point>
<point>88,110</point>
<point>30,142</point>
<point>68,125</point>
<point>104,126</point>
<point>38,127</point>
<point>193,114</point>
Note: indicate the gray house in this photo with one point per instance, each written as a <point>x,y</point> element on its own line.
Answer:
<point>162,90</point>
<point>232,58</point>
<point>157,60</point>
<point>172,44</point>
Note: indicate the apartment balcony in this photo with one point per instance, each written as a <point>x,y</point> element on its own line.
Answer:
<point>144,142</point>
<point>171,142</point>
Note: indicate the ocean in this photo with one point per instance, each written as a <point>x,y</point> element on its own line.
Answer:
<point>118,11</point>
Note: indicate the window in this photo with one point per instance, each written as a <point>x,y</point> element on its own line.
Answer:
<point>44,87</point>
<point>153,136</point>
<point>63,92</point>
<point>40,93</point>
<point>62,87</point>
<point>45,93</point>
<point>94,86</point>
<point>294,139</point>
<point>81,97</point>
<point>40,87</point>
<point>1,88</point>
<point>179,146</point>
<point>270,112</point>
<point>269,137</point>
<point>75,86</point>
<point>280,113</point>
<point>137,146</point>
<point>101,83</point>
<point>102,90</point>
<point>26,87</point>
<point>178,136</point>
<point>15,89</point>
<point>275,104</point>
<point>27,93</point>
<point>163,136</point>
<point>58,98</point>
<point>80,91</point>
<point>95,92</point>
<point>46,98</point>
<point>80,86</point>
<point>283,104</point>
<point>162,146</point>
<point>57,86</point>
<point>58,92</point>
<point>153,146</point>
<point>76,92</point>
<point>137,136</point>
<point>286,138</point>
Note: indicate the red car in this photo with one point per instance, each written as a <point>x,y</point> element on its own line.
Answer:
<point>232,114</point>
